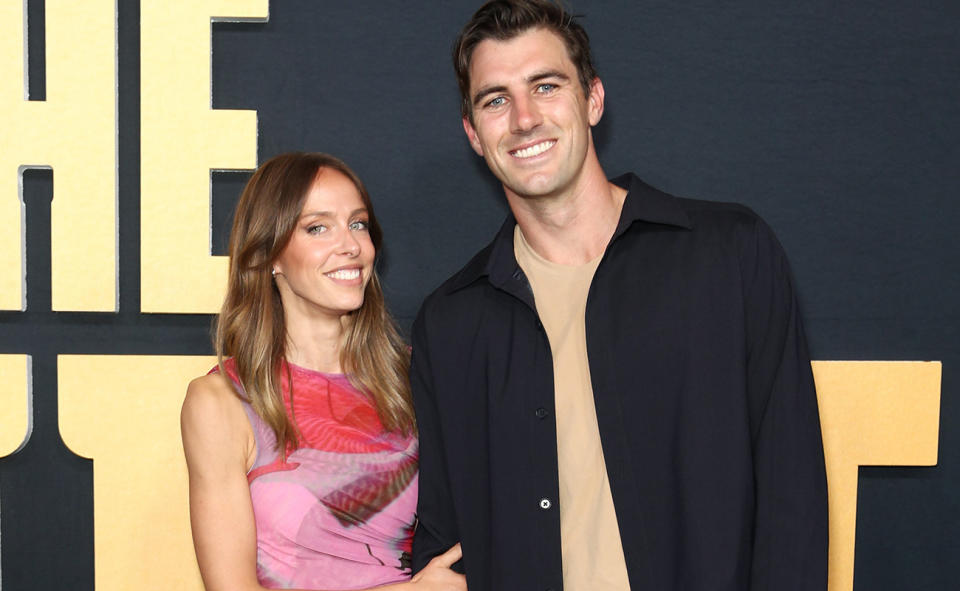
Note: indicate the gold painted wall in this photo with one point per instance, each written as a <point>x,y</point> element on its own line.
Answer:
<point>876,413</point>
<point>74,132</point>
<point>14,402</point>
<point>123,412</point>
<point>182,141</point>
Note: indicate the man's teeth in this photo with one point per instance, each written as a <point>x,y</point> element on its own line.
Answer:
<point>345,274</point>
<point>535,149</point>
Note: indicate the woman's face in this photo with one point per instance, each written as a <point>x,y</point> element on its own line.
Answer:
<point>327,263</point>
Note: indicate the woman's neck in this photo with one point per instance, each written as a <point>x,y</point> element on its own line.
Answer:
<point>316,344</point>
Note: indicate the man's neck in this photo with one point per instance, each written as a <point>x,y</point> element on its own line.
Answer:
<point>571,228</point>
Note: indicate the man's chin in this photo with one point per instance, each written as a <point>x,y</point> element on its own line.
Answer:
<point>530,184</point>
<point>534,190</point>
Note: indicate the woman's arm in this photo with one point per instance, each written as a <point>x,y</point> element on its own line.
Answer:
<point>219,446</point>
<point>218,443</point>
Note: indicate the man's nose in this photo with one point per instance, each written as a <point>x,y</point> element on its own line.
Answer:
<point>526,114</point>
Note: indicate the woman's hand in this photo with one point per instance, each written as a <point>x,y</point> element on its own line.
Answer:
<point>437,576</point>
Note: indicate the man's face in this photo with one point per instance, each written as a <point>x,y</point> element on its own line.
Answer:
<point>531,120</point>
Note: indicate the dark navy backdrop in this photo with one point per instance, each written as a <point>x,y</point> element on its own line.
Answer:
<point>838,122</point>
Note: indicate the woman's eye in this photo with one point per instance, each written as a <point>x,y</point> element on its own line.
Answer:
<point>316,229</point>
<point>359,225</point>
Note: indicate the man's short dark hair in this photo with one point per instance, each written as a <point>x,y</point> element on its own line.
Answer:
<point>503,20</point>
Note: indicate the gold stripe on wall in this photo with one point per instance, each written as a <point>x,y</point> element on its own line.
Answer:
<point>182,140</point>
<point>123,411</point>
<point>14,402</point>
<point>872,413</point>
<point>74,132</point>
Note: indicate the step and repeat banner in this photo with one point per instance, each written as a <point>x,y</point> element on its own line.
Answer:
<point>127,131</point>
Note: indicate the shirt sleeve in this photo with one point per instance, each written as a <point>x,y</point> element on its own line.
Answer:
<point>790,529</point>
<point>436,520</point>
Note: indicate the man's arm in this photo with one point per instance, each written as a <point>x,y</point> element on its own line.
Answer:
<point>436,526</point>
<point>790,529</point>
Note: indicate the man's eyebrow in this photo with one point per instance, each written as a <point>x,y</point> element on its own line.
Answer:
<point>538,76</point>
<point>486,91</point>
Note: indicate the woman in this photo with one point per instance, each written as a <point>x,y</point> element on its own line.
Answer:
<point>300,444</point>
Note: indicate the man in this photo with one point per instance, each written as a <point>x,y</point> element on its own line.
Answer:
<point>616,392</point>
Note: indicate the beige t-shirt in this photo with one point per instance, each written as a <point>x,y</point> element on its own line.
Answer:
<point>589,537</point>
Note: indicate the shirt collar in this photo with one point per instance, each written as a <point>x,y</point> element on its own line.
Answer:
<point>643,203</point>
<point>647,204</point>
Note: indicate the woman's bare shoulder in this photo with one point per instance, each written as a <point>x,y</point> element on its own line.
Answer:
<point>210,393</point>
<point>213,412</point>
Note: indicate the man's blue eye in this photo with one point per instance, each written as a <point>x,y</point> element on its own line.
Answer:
<point>546,87</point>
<point>497,101</point>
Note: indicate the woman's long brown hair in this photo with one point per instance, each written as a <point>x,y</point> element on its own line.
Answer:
<point>251,327</point>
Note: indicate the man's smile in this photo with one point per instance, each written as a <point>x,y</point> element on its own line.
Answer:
<point>534,150</point>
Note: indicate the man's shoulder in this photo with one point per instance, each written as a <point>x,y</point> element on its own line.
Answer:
<point>718,214</point>
<point>717,226</point>
<point>648,203</point>
<point>474,270</point>
<point>735,229</point>
<point>723,217</point>
<point>458,290</point>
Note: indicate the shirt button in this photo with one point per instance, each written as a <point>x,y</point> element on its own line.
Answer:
<point>545,503</point>
<point>541,413</point>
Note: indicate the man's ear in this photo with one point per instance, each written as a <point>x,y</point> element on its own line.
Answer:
<point>472,136</point>
<point>595,102</point>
